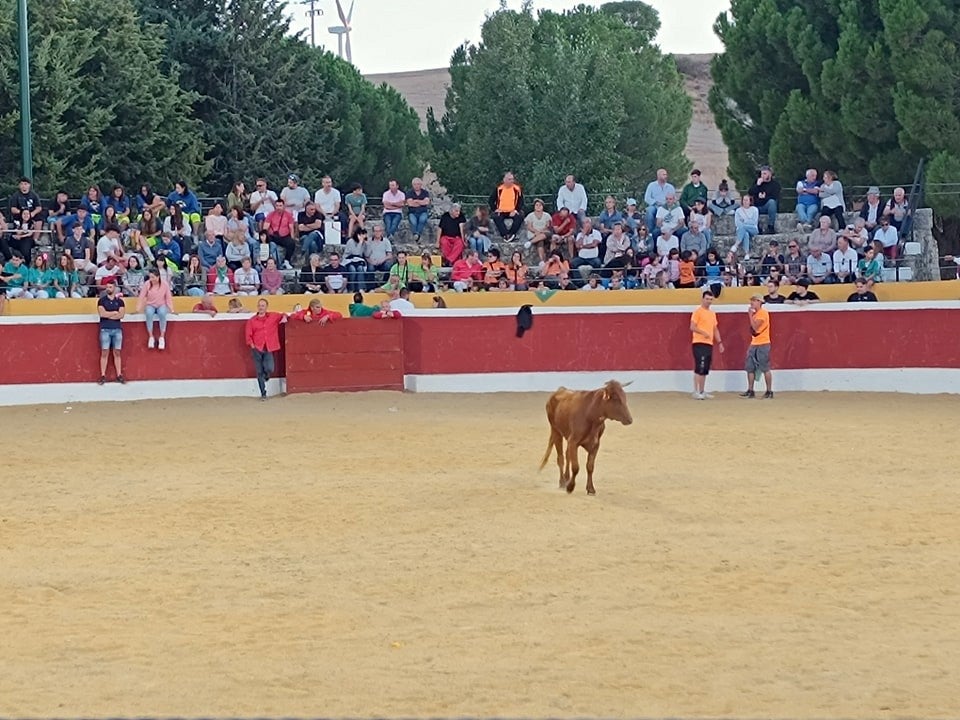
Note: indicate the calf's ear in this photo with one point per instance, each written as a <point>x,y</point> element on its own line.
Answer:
<point>606,394</point>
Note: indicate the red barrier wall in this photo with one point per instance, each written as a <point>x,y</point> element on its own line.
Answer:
<point>344,355</point>
<point>202,349</point>
<point>661,341</point>
<point>367,353</point>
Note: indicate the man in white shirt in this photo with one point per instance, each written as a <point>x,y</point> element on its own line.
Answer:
<point>573,196</point>
<point>845,260</point>
<point>888,236</point>
<point>402,303</point>
<point>669,216</point>
<point>328,198</point>
<point>261,202</point>
<point>109,246</point>
<point>655,197</point>
<point>588,249</point>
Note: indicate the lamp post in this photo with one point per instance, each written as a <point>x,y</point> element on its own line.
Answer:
<point>25,124</point>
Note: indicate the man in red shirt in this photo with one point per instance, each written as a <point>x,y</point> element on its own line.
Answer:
<point>467,271</point>
<point>262,334</point>
<point>279,226</point>
<point>564,227</point>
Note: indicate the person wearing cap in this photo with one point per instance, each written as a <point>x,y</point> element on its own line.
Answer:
<point>692,191</point>
<point>394,200</point>
<point>632,220</point>
<point>573,197</point>
<point>801,294</point>
<point>887,236</point>
<point>765,194</point>
<point>295,198</point>
<point>808,200</point>
<point>872,210</point>
<point>723,203</point>
<point>758,354</point>
<point>655,197</point>
<point>705,332</point>
<point>111,309</point>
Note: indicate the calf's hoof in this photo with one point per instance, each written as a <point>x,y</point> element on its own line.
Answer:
<point>591,491</point>
<point>570,486</point>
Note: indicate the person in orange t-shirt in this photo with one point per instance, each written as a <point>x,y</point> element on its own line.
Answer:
<point>506,203</point>
<point>493,269</point>
<point>688,277</point>
<point>758,355</point>
<point>705,332</point>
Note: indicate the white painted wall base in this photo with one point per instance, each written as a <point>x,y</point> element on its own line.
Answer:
<point>60,393</point>
<point>900,380</point>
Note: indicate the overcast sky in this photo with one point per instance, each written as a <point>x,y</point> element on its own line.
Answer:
<point>391,36</point>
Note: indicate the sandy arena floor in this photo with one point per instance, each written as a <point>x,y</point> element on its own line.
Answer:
<point>386,554</point>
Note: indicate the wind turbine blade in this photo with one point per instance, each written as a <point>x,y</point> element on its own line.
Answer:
<point>349,53</point>
<point>343,18</point>
<point>350,14</point>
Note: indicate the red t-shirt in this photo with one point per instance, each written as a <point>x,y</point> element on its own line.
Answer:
<point>562,225</point>
<point>263,331</point>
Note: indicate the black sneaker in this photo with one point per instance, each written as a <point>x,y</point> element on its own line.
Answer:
<point>748,394</point>
<point>768,395</point>
<point>121,380</point>
<point>102,380</point>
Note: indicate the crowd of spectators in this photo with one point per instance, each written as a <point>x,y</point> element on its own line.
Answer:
<point>268,242</point>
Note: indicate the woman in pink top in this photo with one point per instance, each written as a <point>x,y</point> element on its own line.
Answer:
<point>156,302</point>
<point>271,279</point>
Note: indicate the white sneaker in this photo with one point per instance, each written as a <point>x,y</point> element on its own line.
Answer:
<point>799,227</point>
<point>527,245</point>
<point>706,396</point>
<point>162,344</point>
<point>287,265</point>
<point>151,343</point>
<point>735,249</point>
<point>696,396</point>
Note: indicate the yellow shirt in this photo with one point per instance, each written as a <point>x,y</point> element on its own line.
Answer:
<point>761,336</point>
<point>705,320</point>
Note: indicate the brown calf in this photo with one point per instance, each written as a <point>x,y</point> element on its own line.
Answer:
<point>578,416</point>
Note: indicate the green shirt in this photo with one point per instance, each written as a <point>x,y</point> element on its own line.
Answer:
<point>360,310</point>
<point>869,270</point>
<point>355,202</point>
<point>689,194</point>
<point>11,269</point>
<point>64,278</point>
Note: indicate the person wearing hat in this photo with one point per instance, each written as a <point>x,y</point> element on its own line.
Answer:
<point>872,210</point>
<point>111,309</point>
<point>691,192</point>
<point>765,194</point>
<point>758,354</point>
<point>808,200</point>
<point>802,295</point>
<point>632,220</point>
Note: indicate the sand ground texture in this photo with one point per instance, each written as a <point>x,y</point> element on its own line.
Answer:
<point>384,554</point>
<point>424,89</point>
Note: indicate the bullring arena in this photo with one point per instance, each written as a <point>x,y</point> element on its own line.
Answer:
<point>398,553</point>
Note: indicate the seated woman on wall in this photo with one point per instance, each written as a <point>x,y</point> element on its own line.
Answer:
<point>64,280</point>
<point>315,312</point>
<point>423,277</point>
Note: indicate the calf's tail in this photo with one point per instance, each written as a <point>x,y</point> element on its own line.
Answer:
<point>546,455</point>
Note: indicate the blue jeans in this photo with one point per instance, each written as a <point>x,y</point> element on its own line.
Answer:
<point>769,208</point>
<point>418,221</point>
<point>156,313</point>
<point>579,262</point>
<point>651,219</point>
<point>356,273</point>
<point>806,213</point>
<point>311,243</point>
<point>111,337</point>
<point>744,235</point>
<point>481,243</point>
<point>195,292</point>
<point>391,223</point>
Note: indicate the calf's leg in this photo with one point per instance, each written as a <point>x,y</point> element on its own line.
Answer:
<point>561,461</point>
<point>591,461</point>
<point>573,463</point>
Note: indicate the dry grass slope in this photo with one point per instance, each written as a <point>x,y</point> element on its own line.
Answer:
<point>427,88</point>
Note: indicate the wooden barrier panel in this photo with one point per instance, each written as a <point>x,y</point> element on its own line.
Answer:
<point>346,355</point>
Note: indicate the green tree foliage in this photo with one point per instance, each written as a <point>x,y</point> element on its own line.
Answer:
<point>861,86</point>
<point>270,104</point>
<point>581,92</point>
<point>104,110</point>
